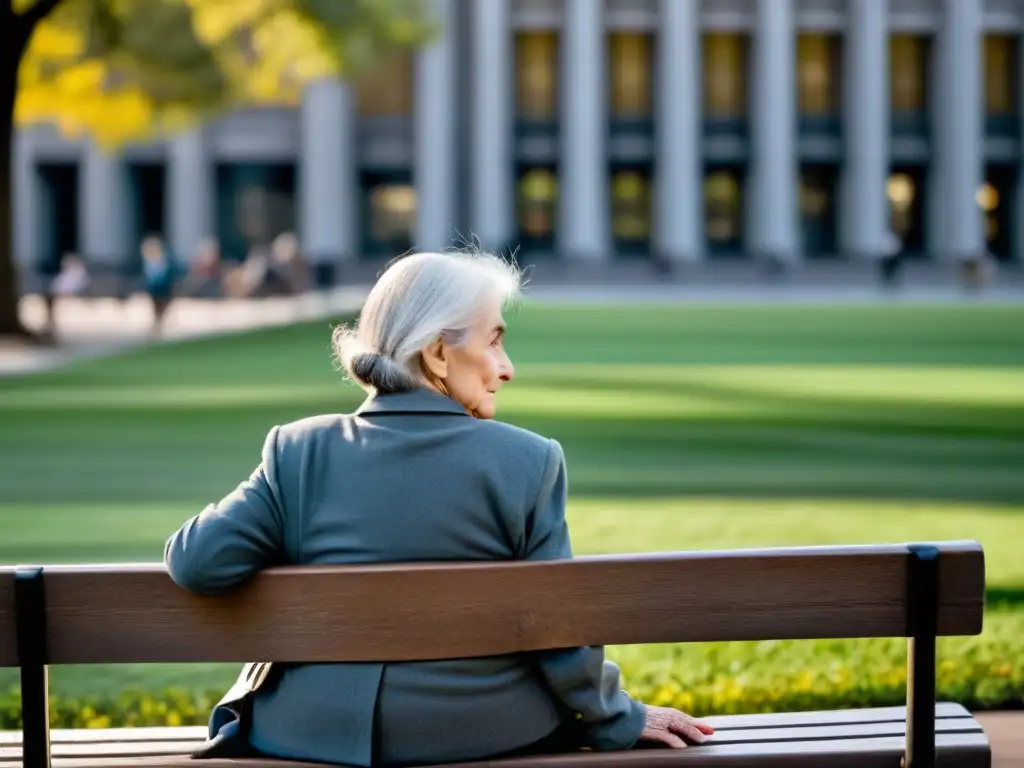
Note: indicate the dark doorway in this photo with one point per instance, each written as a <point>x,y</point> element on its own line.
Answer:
<point>906,190</point>
<point>147,188</point>
<point>58,219</point>
<point>997,199</point>
<point>818,185</point>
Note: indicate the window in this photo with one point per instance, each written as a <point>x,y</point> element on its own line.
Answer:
<point>393,213</point>
<point>1001,91</point>
<point>255,203</point>
<point>537,75</point>
<point>905,191</point>
<point>725,76</point>
<point>723,210</point>
<point>538,206</point>
<point>387,90</point>
<point>631,207</point>
<point>908,73</point>
<point>632,67</point>
<point>819,76</point>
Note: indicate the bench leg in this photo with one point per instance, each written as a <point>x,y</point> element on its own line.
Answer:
<point>922,627</point>
<point>30,618</point>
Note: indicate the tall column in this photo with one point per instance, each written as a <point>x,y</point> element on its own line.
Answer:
<point>1018,217</point>
<point>773,141</point>
<point>936,223</point>
<point>190,194</point>
<point>959,129</point>
<point>328,201</point>
<point>26,204</point>
<point>435,135</point>
<point>679,223</point>
<point>866,129</point>
<point>105,225</point>
<point>585,217</point>
<point>491,175</point>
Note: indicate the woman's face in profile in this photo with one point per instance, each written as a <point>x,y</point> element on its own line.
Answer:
<point>480,367</point>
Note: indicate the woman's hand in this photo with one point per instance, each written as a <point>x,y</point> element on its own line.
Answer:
<point>670,727</point>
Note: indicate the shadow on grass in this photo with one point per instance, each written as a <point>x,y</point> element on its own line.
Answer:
<point>748,443</point>
<point>197,454</point>
<point>892,413</point>
<point>1004,597</point>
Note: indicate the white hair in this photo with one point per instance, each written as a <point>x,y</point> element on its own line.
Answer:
<point>419,299</point>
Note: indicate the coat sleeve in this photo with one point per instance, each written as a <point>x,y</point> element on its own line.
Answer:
<point>583,679</point>
<point>229,541</point>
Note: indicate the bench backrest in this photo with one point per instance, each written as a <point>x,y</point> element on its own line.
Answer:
<point>135,613</point>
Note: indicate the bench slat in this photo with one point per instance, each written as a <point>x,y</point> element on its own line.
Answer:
<point>84,735</point>
<point>864,732</point>
<point>731,736</point>
<point>441,611</point>
<point>957,750</point>
<point>196,733</point>
<point>943,710</point>
<point>181,761</point>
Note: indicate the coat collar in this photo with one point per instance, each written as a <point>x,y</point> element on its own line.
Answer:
<point>415,401</point>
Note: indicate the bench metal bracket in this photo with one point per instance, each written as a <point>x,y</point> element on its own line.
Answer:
<point>33,656</point>
<point>922,629</point>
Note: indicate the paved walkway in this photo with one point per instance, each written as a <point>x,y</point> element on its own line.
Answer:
<point>1005,731</point>
<point>94,327</point>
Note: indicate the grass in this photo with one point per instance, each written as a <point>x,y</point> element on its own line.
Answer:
<point>684,427</point>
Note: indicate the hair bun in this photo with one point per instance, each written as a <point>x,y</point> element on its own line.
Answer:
<point>367,367</point>
<point>375,370</point>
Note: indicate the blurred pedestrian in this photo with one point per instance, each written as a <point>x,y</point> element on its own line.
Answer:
<point>977,271</point>
<point>890,260</point>
<point>289,269</point>
<point>73,278</point>
<point>70,279</point>
<point>205,274</point>
<point>161,274</point>
<point>246,280</point>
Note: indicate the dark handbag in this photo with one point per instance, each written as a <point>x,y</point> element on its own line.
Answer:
<point>231,721</point>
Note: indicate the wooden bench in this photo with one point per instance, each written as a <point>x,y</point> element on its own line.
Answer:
<point>122,614</point>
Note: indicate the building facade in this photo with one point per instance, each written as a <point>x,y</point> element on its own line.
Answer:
<point>595,130</point>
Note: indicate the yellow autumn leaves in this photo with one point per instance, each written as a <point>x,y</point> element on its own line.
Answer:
<point>122,70</point>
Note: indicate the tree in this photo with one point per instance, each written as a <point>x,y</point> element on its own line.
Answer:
<point>121,70</point>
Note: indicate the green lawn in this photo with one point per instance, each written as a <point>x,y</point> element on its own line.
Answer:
<point>684,427</point>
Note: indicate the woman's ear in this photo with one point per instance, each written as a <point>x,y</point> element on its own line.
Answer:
<point>434,359</point>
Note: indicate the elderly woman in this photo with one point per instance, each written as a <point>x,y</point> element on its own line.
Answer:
<point>419,472</point>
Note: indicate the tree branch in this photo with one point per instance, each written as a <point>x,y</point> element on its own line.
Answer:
<point>32,16</point>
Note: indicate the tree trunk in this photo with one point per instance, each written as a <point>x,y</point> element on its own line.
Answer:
<point>13,41</point>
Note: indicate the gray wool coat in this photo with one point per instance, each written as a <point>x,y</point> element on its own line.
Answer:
<point>408,477</point>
